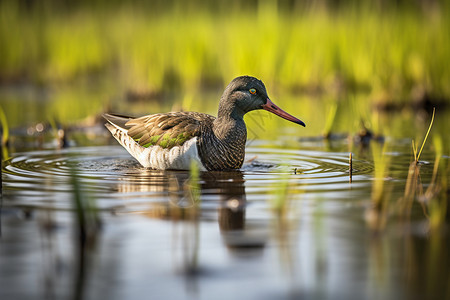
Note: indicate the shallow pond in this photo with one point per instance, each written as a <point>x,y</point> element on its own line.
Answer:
<point>88,222</point>
<point>288,225</point>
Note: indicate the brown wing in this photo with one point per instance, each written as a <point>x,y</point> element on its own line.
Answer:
<point>167,130</point>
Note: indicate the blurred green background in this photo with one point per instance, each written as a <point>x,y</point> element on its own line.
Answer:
<point>68,60</point>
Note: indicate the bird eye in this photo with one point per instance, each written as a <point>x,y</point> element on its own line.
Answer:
<point>252,91</point>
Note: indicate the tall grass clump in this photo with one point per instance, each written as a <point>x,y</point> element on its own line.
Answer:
<point>187,205</point>
<point>281,193</point>
<point>329,120</point>
<point>5,135</point>
<point>436,196</point>
<point>280,197</point>
<point>86,212</point>
<point>417,154</point>
<point>414,186</point>
<point>193,184</point>
<point>187,45</point>
<point>376,214</point>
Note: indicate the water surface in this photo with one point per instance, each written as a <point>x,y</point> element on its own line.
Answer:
<point>288,225</point>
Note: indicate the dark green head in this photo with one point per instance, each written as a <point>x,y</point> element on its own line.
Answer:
<point>246,93</point>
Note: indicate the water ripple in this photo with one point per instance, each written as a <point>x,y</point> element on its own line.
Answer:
<point>42,178</point>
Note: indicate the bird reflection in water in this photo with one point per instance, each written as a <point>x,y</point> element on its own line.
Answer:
<point>237,232</point>
<point>186,198</point>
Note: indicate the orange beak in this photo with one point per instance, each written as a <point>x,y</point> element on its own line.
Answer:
<point>270,106</point>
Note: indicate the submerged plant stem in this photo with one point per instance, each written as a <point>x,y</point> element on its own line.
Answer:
<point>350,167</point>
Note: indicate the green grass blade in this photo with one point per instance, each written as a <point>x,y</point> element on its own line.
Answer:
<point>426,136</point>
<point>5,127</point>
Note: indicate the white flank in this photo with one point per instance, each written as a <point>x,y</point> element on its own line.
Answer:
<point>156,157</point>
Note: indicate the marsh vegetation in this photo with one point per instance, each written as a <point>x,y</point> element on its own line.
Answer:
<point>79,218</point>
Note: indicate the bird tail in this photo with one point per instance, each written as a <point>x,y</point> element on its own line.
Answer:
<point>118,128</point>
<point>117,121</point>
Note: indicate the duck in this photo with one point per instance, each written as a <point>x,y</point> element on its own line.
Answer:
<point>176,140</point>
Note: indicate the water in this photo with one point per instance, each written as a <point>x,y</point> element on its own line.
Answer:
<point>288,225</point>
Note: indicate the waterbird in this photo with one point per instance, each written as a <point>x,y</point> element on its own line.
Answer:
<point>173,140</point>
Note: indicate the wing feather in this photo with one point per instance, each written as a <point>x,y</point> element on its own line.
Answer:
<point>167,130</point>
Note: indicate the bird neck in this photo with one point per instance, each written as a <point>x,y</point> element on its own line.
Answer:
<point>228,108</point>
<point>228,128</point>
<point>222,147</point>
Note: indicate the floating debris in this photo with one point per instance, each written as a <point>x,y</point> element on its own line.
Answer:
<point>365,136</point>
